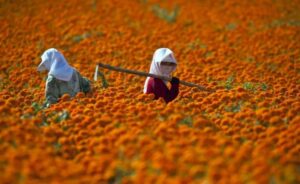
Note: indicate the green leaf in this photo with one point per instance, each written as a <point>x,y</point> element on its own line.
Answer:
<point>249,86</point>
<point>188,121</point>
<point>264,86</point>
<point>162,13</point>
<point>79,38</point>
<point>57,146</point>
<point>196,44</point>
<point>120,173</point>
<point>229,82</point>
<point>231,26</point>
<point>62,116</point>
<point>37,107</point>
<point>235,108</point>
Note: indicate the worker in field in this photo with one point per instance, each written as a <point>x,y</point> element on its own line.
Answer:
<point>163,64</point>
<point>62,78</point>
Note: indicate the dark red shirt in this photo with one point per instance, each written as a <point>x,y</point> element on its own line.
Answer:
<point>159,89</point>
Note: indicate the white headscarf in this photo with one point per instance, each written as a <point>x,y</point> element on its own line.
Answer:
<point>161,54</point>
<point>56,64</point>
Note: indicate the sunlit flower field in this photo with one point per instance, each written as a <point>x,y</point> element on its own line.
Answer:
<point>247,131</point>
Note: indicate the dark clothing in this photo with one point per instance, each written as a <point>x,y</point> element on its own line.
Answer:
<point>159,89</point>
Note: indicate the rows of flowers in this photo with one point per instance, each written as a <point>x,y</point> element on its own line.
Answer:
<point>247,131</point>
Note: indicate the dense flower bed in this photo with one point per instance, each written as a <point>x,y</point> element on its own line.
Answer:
<point>248,131</point>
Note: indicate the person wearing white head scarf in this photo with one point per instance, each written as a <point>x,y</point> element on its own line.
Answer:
<point>163,64</point>
<point>62,78</point>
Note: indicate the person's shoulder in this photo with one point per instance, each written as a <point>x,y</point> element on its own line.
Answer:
<point>76,72</point>
<point>51,78</point>
<point>152,81</point>
<point>51,81</point>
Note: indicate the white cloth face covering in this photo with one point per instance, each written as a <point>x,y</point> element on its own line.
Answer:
<point>161,55</point>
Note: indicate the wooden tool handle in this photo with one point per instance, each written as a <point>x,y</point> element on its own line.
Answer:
<point>119,69</point>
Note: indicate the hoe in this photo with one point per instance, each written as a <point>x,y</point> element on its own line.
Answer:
<point>139,73</point>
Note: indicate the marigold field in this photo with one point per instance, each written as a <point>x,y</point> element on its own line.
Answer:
<point>248,131</point>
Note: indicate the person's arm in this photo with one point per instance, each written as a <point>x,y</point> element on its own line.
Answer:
<point>157,87</point>
<point>173,92</point>
<point>52,91</point>
<point>84,83</point>
<point>150,86</point>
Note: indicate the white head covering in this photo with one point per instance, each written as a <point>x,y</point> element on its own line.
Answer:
<point>161,54</point>
<point>56,64</point>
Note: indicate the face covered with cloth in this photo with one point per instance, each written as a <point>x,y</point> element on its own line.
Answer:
<point>163,64</point>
